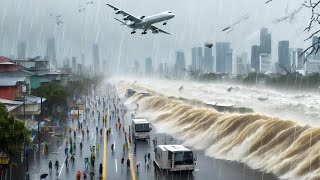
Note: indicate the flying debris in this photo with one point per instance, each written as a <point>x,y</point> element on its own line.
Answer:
<point>90,2</point>
<point>290,16</point>
<point>208,45</point>
<point>59,22</point>
<point>238,21</point>
<point>82,10</point>
<point>226,28</point>
<point>181,88</point>
<point>134,82</point>
<point>229,89</point>
<point>263,99</point>
<point>268,1</point>
<point>144,23</point>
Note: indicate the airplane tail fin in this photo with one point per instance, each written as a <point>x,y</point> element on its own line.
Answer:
<point>123,23</point>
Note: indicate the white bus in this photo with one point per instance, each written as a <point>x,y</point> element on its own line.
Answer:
<point>174,158</point>
<point>140,129</point>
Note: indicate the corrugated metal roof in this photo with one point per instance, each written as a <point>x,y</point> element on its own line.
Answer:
<point>34,99</point>
<point>10,81</point>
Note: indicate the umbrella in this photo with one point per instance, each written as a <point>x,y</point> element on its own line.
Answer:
<point>43,176</point>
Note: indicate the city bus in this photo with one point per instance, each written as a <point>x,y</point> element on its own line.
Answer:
<point>141,129</point>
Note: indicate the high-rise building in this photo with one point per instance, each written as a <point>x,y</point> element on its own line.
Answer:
<point>208,60</point>
<point>22,50</point>
<point>161,69</point>
<point>255,58</point>
<point>229,62</point>
<point>196,58</point>
<point>83,60</point>
<point>222,48</point>
<point>51,52</point>
<point>96,59</point>
<point>265,63</point>
<point>74,65</point>
<point>300,59</point>
<point>265,41</point>
<point>148,66</point>
<point>180,64</point>
<point>315,42</point>
<point>79,69</point>
<point>241,64</point>
<point>67,63</point>
<point>136,67</point>
<point>284,56</point>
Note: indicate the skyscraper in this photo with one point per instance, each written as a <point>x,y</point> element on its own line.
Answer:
<point>22,50</point>
<point>255,56</point>
<point>229,61</point>
<point>197,58</point>
<point>265,63</point>
<point>148,66</point>
<point>265,41</point>
<point>51,52</point>
<point>300,59</point>
<point>207,60</point>
<point>284,56</point>
<point>315,43</point>
<point>222,49</point>
<point>96,59</point>
<point>83,59</point>
<point>180,64</point>
<point>74,65</point>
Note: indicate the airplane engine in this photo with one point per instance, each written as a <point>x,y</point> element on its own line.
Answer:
<point>125,18</point>
<point>155,31</point>
<point>118,12</point>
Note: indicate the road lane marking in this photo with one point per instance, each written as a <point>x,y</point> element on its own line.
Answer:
<point>115,161</point>
<point>62,167</point>
<point>131,161</point>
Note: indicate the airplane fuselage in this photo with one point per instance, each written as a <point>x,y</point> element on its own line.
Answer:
<point>148,21</point>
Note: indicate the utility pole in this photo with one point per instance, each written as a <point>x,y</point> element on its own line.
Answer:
<point>39,119</point>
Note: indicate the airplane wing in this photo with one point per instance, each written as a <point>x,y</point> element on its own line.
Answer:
<point>130,17</point>
<point>153,28</point>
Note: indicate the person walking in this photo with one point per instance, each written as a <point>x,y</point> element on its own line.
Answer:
<point>50,166</point>
<point>56,165</point>
<point>78,176</point>
<point>84,175</point>
<point>145,158</point>
<point>81,145</point>
<point>74,146</point>
<point>112,147</point>
<point>66,150</point>
<point>66,161</point>
<point>100,171</point>
<point>149,156</point>
<point>138,165</point>
<point>73,159</point>
<point>91,174</point>
<point>128,163</point>
<point>122,161</point>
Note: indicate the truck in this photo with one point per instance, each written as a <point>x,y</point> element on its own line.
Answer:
<point>141,128</point>
<point>174,158</point>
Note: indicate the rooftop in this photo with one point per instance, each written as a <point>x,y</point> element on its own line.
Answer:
<point>140,121</point>
<point>10,105</point>
<point>173,148</point>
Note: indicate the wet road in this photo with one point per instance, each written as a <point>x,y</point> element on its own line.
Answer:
<point>206,168</point>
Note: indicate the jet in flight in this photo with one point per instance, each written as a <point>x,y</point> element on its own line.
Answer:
<point>144,23</point>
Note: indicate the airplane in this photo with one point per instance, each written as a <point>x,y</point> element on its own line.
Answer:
<point>144,23</point>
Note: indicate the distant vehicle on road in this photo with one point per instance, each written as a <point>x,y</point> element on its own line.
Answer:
<point>174,158</point>
<point>141,129</point>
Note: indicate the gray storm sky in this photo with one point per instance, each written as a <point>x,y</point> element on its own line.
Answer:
<point>196,22</point>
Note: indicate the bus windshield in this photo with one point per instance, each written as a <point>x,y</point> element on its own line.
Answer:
<point>142,127</point>
<point>183,158</point>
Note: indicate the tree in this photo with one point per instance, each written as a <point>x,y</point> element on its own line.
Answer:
<point>56,96</point>
<point>13,134</point>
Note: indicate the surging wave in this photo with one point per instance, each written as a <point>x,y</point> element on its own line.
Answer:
<point>270,144</point>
